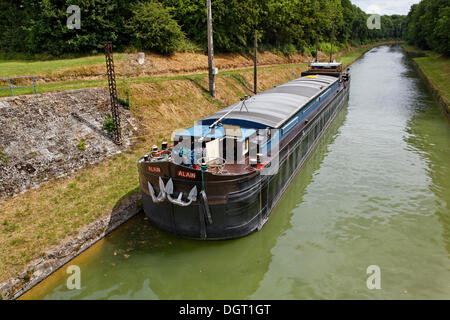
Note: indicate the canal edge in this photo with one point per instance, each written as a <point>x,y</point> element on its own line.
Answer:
<point>435,92</point>
<point>59,255</point>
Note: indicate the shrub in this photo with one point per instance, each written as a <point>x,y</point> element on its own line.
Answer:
<point>81,145</point>
<point>125,103</point>
<point>153,28</point>
<point>109,125</point>
<point>307,52</point>
<point>289,49</point>
<point>3,156</point>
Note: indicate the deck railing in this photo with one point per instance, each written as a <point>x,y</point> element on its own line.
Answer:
<point>11,87</point>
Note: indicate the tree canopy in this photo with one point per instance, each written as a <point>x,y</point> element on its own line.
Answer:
<point>428,25</point>
<point>36,26</point>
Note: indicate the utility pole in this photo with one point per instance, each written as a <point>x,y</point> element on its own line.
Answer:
<point>317,48</point>
<point>332,39</point>
<point>212,85</point>
<point>255,62</point>
<point>117,136</point>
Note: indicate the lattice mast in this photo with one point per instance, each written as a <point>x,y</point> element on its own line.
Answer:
<point>117,136</point>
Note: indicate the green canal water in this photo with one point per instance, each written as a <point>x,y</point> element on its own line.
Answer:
<point>376,191</point>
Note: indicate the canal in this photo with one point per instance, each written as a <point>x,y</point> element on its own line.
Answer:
<point>376,191</point>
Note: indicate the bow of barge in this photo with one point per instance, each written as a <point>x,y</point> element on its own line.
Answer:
<point>221,178</point>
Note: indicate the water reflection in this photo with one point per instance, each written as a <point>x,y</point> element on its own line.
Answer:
<point>429,136</point>
<point>373,199</point>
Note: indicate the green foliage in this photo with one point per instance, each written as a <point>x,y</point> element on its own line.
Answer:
<point>3,156</point>
<point>307,52</point>
<point>165,26</point>
<point>81,145</point>
<point>125,103</point>
<point>153,28</point>
<point>281,24</point>
<point>32,155</point>
<point>40,26</point>
<point>428,25</point>
<point>108,125</point>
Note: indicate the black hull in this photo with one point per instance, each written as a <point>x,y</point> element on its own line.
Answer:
<point>248,209</point>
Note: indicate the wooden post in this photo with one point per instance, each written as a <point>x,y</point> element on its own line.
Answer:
<point>332,39</point>
<point>212,85</point>
<point>317,48</point>
<point>255,62</point>
<point>10,87</point>
<point>34,85</point>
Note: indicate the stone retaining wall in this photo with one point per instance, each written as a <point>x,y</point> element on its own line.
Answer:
<point>51,135</point>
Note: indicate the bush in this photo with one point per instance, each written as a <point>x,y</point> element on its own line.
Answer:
<point>153,28</point>
<point>109,125</point>
<point>125,103</point>
<point>3,156</point>
<point>307,52</point>
<point>289,49</point>
<point>81,145</point>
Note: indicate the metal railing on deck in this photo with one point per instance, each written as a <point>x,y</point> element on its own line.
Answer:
<point>11,87</point>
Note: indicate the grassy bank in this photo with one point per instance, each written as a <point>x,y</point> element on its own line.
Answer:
<point>436,69</point>
<point>68,74</point>
<point>31,222</point>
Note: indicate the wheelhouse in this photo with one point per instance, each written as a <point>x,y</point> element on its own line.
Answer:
<point>245,132</point>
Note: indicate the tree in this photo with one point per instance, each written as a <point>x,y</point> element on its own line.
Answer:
<point>428,25</point>
<point>39,26</point>
<point>153,28</point>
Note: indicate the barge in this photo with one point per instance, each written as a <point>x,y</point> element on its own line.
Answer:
<point>221,178</point>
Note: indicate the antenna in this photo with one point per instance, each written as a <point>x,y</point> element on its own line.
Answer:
<point>231,110</point>
<point>243,103</point>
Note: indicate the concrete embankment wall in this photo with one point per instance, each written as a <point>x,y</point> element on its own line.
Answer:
<point>51,135</point>
<point>436,94</point>
<point>445,107</point>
